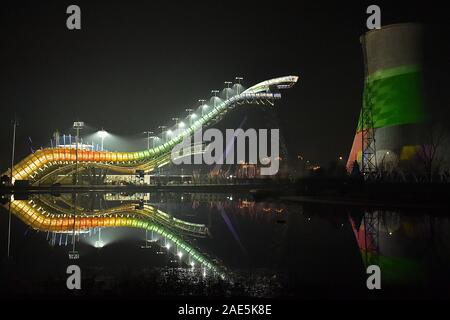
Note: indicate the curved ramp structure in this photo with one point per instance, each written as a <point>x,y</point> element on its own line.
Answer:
<point>37,167</point>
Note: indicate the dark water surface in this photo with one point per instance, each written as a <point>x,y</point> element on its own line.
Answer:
<point>267,249</point>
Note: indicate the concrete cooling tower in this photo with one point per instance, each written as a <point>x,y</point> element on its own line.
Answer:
<point>393,91</point>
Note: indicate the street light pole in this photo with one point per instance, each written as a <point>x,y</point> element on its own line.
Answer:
<point>148,139</point>
<point>76,157</point>
<point>202,104</point>
<point>15,123</point>
<point>153,141</point>
<point>215,92</point>
<point>162,132</point>
<point>102,133</point>
<point>238,79</point>
<point>227,83</point>
<point>78,125</point>
<point>189,111</point>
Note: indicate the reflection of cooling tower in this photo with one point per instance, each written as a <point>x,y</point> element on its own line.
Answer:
<point>394,91</point>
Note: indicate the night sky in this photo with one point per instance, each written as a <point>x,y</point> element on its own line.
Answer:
<point>136,64</point>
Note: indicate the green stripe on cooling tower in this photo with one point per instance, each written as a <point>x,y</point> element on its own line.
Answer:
<point>395,96</point>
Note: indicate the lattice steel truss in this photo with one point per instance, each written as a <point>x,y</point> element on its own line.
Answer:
<point>371,237</point>
<point>369,152</point>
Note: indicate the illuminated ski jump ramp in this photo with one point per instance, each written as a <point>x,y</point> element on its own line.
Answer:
<point>46,163</point>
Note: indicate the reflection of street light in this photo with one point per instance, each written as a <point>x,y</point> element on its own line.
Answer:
<point>102,133</point>
<point>99,243</point>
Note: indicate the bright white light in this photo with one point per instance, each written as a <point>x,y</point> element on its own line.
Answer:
<point>193,116</point>
<point>169,132</point>
<point>192,264</point>
<point>102,133</point>
<point>78,125</point>
<point>390,233</point>
<point>168,246</point>
<point>180,254</point>
<point>205,106</point>
<point>99,244</point>
<point>181,124</point>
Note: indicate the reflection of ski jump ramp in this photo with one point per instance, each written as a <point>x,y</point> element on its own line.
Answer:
<point>131,209</point>
<point>34,215</point>
<point>47,163</point>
